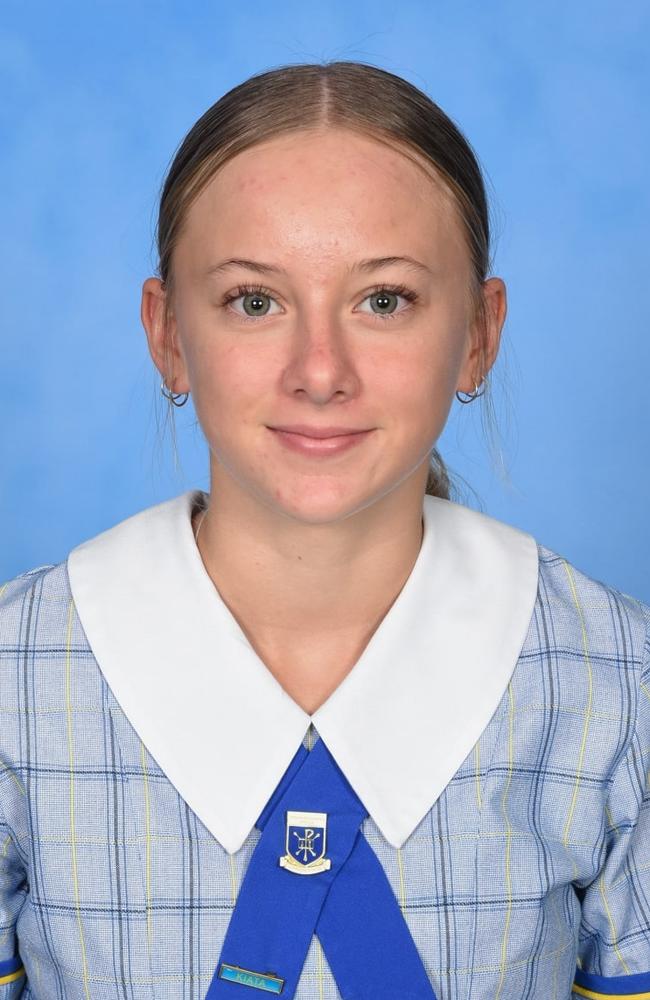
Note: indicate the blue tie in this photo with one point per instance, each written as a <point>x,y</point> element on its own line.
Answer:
<point>313,871</point>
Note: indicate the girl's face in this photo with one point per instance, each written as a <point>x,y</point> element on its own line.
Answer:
<point>327,326</point>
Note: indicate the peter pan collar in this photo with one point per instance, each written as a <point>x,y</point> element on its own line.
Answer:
<point>224,730</point>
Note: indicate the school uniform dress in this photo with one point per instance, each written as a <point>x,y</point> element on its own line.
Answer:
<point>495,730</point>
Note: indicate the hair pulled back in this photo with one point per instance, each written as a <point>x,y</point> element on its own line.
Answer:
<point>339,94</point>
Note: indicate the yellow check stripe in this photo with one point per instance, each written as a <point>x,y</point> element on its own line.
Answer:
<point>12,976</point>
<point>592,995</point>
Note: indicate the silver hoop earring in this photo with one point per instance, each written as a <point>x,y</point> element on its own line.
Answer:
<point>471,396</point>
<point>173,397</point>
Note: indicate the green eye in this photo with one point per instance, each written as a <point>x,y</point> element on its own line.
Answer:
<point>383,300</point>
<point>254,296</point>
<point>383,295</point>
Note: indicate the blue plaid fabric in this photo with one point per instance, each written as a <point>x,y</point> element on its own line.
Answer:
<point>533,862</point>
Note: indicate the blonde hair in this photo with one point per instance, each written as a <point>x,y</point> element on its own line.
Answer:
<point>338,94</point>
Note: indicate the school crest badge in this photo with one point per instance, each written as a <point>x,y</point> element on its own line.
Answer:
<point>305,843</point>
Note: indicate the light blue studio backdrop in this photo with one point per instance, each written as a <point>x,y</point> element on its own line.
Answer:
<point>553,97</point>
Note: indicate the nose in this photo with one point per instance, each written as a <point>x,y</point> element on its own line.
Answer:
<point>322,361</point>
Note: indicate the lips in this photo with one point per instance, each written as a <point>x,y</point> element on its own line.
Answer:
<point>318,432</point>
<point>319,441</point>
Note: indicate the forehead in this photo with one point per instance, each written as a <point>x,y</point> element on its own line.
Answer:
<point>332,190</point>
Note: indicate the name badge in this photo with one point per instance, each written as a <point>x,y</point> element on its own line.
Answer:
<point>268,981</point>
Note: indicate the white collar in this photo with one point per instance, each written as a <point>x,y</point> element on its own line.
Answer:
<point>224,730</point>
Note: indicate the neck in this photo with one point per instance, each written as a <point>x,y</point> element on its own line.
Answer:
<point>294,578</point>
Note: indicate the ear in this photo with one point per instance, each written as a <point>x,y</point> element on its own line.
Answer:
<point>485,335</point>
<point>160,327</point>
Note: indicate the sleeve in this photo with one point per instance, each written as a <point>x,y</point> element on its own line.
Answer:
<point>614,936</point>
<point>13,888</point>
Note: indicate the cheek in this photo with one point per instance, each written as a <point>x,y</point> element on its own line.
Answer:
<point>226,393</point>
<point>218,359</point>
<point>415,387</point>
<point>229,377</point>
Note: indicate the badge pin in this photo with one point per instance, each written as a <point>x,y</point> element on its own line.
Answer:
<point>305,843</point>
<point>268,981</point>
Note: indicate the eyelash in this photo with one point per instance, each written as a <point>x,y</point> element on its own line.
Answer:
<point>402,290</point>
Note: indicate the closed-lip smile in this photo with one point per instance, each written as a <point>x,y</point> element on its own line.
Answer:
<point>319,432</point>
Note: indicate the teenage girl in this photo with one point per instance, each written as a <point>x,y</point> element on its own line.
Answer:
<point>322,731</point>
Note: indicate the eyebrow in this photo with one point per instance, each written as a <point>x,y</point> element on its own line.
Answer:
<point>368,264</point>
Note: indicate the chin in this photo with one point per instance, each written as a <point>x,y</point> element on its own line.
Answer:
<point>317,505</point>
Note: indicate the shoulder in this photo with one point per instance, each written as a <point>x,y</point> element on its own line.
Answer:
<point>586,660</point>
<point>32,604</point>
<point>581,609</point>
